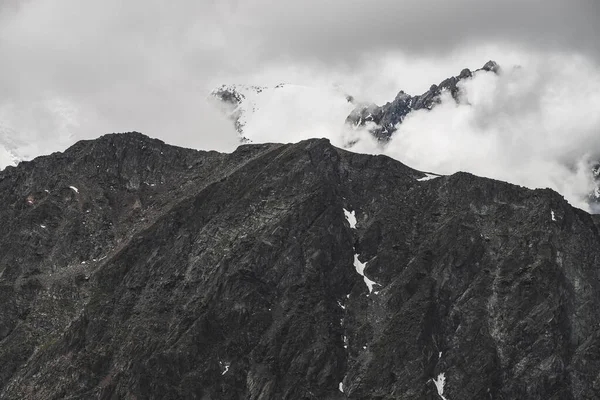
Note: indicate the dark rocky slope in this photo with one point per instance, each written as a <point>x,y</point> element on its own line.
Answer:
<point>173,273</point>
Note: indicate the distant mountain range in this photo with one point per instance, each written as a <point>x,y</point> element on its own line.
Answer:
<point>242,102</point>
<point>246,105</point>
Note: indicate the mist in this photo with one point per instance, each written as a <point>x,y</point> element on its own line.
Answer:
<point>534,123</point>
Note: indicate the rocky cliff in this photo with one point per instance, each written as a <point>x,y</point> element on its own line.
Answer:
<point>131,269</point>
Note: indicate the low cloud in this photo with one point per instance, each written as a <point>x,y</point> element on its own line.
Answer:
<point>535,125</point>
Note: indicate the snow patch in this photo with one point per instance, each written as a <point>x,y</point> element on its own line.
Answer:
<point>360,268</point>
<point>43,226</point>
<point>428,177</point>
<point>439,382</point>
<point>341,387</point>
<point>351,218</point>
<point>225,366</point>
<point>552,215</point>
<point>73,188</point>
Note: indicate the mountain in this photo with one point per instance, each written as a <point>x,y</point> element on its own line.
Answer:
<point>259,113</point>
<point>382,121</point>
<point>131,269</point>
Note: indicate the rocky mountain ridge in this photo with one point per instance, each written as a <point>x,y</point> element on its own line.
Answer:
<point>133,269</point>
<point>382,121</point>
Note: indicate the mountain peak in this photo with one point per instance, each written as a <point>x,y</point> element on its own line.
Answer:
<point>491,66</point>
<point>382,121</point>
<point>259,112</point>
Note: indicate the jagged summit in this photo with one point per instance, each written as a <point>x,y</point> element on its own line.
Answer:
<point>491,66</point>
<point>382,121</point>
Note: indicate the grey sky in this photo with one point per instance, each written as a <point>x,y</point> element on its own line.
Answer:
<point>147,64</point>
<point>343,29</point>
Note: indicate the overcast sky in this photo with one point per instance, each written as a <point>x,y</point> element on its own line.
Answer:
<point>74,69</point>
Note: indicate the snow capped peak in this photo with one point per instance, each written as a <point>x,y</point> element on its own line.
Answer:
<point>261,113</point>
<point>240,101</point>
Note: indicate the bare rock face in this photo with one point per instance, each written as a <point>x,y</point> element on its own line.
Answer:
<point>131,269</point>
<point>382,121</point>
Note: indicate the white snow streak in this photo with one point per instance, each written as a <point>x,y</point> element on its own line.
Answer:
<point>428,177</point>
<point>439,384</point>
<point>552,215</point>
<point>73,188</point>
<point>360,268</point>
<point>341,387</point>
<point>351,218</point>
<point>226,365</point>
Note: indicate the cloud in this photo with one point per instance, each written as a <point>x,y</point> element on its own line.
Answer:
<point>345,29</point>
<point>113,66</point>
<point>536,125</point>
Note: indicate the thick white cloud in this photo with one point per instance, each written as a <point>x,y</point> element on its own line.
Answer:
<point>537,126</point>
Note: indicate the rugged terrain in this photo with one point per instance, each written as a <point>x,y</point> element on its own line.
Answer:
<point>131,269</point>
